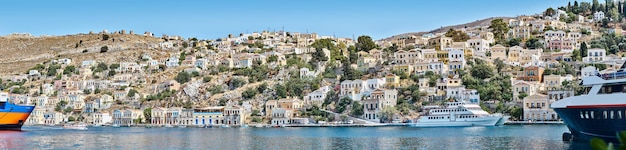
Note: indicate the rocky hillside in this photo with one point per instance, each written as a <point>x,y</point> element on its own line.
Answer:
<point>21,52</point>
<point>483,22</point>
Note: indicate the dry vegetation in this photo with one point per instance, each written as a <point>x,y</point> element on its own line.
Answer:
<point>22,52</point>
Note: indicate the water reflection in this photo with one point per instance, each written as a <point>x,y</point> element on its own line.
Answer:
<point>509,137</point>
<point>11,139</point>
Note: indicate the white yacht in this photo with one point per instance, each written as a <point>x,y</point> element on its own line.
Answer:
<point>458,114</point>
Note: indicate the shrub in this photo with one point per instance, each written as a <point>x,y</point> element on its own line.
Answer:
<point>104,49</point>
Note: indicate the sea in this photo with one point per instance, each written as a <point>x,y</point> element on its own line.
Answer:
<point>361,138</point>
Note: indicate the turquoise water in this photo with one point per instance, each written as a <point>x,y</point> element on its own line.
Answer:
<point>505,137</point>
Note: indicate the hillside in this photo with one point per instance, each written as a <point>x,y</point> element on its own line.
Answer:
<point>21,52</point>
<point>483,22</point>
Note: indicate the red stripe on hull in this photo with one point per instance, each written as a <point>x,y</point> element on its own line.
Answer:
<point>598,106</point>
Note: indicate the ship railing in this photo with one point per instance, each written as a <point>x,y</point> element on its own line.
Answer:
<point>614,75</point>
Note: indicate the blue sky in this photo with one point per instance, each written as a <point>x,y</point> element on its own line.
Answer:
<point>210,19</point>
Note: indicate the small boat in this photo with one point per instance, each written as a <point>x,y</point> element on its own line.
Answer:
<point>115,125</point>
<point>225,126</point>
<point>78,126</point>
<point>182,126</point>
<point>168,126</point>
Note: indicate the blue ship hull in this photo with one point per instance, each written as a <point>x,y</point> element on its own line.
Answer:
<point>587,123</point>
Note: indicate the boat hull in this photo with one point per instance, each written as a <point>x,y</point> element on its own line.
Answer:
<point>585,125</point>
<point>483,121</point>
<point>12,117</point>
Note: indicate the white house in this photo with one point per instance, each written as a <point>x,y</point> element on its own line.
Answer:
<point>588,71</point>
<point>306,73</point>
<point>598,16</point>
<point>172,61</point>
<point>595,55</point>
<point>101,118</point>
<point>536,107</point>
<point>377,101</point>
<point>317,97</point>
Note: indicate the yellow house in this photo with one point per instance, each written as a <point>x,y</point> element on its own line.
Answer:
<point>392,80</point>
<point>443,56</point>
<point>498,52</point>
<point>404,68</point>
<point>552,82</point>
<point>440,42</point>
<point>514,55</point>
<point>469,53</point>
<point>429,54</point>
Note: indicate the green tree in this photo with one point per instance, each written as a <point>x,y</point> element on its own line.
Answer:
<point>576,55</point>
<point>595,6</point>
<point>522,95</point>
<point>386,115</point>
<point>281,91</point>
<point>549,12</point>
<point>102,66</point>
<point>183,77</point>
<point>104,49</point>
<point>499,28</point>
<point>206,79</point>
<point>132,92</point>
<point>68,109</point>
<point>365,43</point>
<point>482,72</point>
<point>71,119</point>
<point>349,73</point>
<point>514,42</point>
<point>329,44</point>
<point>69,70</point>
<point>583,49</point>
<point>319,56</point>
<point>457,36</point>
<point>86,91</point>
<point>343,104</point>
<point>248,93</point>
<point>148,114</point>
<point>195,74</point>
<point>185,44</point>
<point>533,43</point>
<point>114,66</point>
<point>236,83</point>
<point>357,109</point>
<point>272,58</point>
<point>499,64</point>
<point>111,73</point>
<point>105,37</point>
<point>261,88</point>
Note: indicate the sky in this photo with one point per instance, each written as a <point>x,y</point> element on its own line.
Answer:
<point>211,19</point>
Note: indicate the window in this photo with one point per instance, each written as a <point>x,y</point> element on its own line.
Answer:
<point>612,114</point>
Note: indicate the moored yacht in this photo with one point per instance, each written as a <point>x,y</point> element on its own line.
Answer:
<point>599,112</point>
<point>458,114</point>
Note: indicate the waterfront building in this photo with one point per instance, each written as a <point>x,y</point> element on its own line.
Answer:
<point>536,108</point>
<point>377,101</point>
<point>53,118</point>
<point>208,116</point>
<point>101,118</point>
<point>37,116</point>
